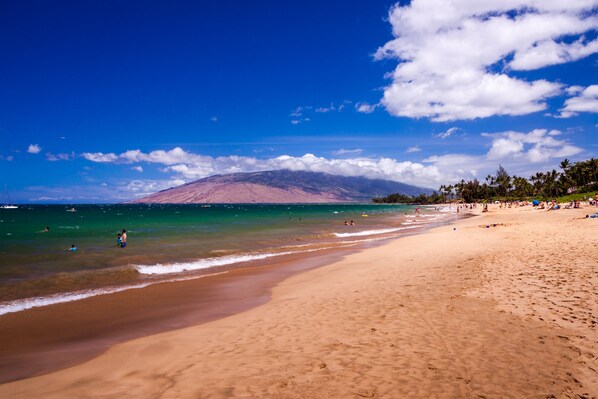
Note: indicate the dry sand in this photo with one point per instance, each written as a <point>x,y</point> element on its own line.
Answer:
<point>463,311</point>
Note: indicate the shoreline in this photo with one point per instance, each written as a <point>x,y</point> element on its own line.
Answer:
<point>76,331</point>
<point>445,313</point>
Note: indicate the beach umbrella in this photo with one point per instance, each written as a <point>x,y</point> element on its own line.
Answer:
<point>535,202</point>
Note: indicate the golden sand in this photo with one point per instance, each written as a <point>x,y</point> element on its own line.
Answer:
<point>462,311</point>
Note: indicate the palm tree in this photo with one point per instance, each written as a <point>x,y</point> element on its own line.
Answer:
<point>538,182</point>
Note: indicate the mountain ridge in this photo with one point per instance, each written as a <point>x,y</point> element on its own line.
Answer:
<point>280,186</point>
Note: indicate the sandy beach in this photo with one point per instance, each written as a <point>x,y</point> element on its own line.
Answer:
<point>500,305</point>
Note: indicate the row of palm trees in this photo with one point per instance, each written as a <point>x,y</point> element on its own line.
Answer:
<point>578,177</point>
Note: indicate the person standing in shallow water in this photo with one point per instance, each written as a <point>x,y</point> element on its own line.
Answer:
<point>124,238</point>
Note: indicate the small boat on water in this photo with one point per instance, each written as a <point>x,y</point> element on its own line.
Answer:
<point>8,205</point>
<point>71,210</point>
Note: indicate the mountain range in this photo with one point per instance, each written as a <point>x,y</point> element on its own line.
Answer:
<point>280,186</point>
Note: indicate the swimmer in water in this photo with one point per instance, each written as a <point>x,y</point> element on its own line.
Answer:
<point>73,248</point>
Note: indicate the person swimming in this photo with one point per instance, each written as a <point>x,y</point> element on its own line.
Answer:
<point>73,248</point>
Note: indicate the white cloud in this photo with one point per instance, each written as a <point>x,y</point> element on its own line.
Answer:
<point>448,133</point>
<point>326,109</point>
<point>342,151</point>
<point>585,101</point>
<point>503,147</point>
<point>34,149</point>
<point>537,146</point>
<point>189,166</point>
<point>99,157</point>
<point>59,157</point>
<point>517,151</point>
<point>550,52</point>
<point>137,168</point>
<point>415,148</point>
<point>214,119</point>
<point>297,112</point>
<point>365,108</point>
<point>141,188</point>
<point>450,55</point>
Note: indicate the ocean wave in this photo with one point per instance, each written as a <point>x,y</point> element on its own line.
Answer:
<point>28,303</point>
<point>419,222</point>
<point>36,302</point>
<point>204,263</point>
<point>372,232</point>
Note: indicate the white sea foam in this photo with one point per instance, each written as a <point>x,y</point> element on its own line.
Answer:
<point>372,232</point>
<point>36,302</point>
<point>28,303</point>
<point>204,263</point>
<point>415,222</point>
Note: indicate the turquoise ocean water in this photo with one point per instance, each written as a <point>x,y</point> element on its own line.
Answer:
<point>170,242</point>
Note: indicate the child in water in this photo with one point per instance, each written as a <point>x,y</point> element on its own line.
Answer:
<point>119,240</point>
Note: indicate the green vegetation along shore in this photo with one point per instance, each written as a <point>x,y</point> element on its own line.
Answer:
<point>575,181</point>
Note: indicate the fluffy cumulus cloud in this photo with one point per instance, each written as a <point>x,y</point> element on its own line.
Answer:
<point>537,146</point>
<point>99,157</point>
<point>455,56</point>
<point>586,100</point>
<point>34,149</point>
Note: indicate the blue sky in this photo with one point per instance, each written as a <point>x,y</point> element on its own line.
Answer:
<point>104,101</point>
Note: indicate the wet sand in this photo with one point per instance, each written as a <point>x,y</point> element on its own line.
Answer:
<point>41,340</point>
<point>465,310</point>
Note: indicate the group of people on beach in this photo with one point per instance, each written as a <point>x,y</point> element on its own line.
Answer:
<point>121,240</point>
